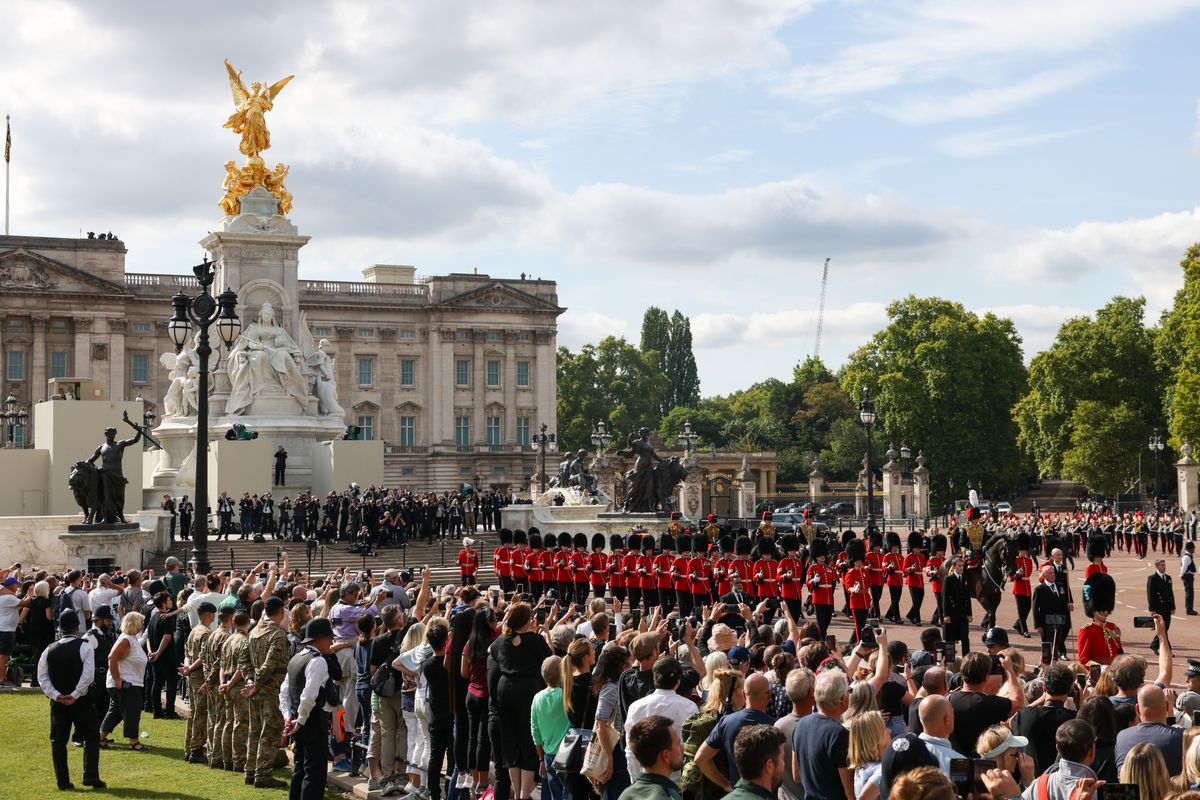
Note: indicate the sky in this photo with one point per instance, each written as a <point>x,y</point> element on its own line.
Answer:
<point>1032,158</point>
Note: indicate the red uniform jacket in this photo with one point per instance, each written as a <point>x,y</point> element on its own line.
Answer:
<point>533,565</point>
<point>1092,569</point>
<point>894,564</point>
<point>764,577</point>
<point>598,568</point>
<point>856,585</point>
<point>933,567</point>
<point>629,566</point>
<point>874,566</point>
<point>616,570</point>
<point>645,565</point>
<point>821,579</point>
<point>468,561</point>
<point>723,571</point>
<point>1099,645</point>
<point>700,574</point>
<point>789,588</point>
<point>517,556</point>
<point>579,566</point>
<point>662,570</point>
<point>1024,572</point>
<point>502,561</point>
<point>680,566</point>
<point>744,567</point>
<point>914,568</point>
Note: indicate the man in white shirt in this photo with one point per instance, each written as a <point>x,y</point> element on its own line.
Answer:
<point>306,700</point>
<point>10,615</point>
<point>104,594</point>
<point>65,671</point>
<point>937,722</point>
<point>390,591</point>
<point>663,702</point>
<point>201,594</point>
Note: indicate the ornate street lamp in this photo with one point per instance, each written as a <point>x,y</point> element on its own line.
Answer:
<point>687,438</point>
<point>202,311</point>
<point>905,454</point>
<point>866,415</point>
<point>14,422</point>
<point>1156,447</point>
<point>601,437</point>
<point>543,442</point>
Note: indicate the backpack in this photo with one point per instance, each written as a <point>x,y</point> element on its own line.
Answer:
<point>63,602</point>
<point>385,681</point>
<point>696,729</point>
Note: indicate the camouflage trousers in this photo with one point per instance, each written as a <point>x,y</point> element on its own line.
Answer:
<point>218,707</point>
<point>197,722</point>
<point>236,727</point>
<point>265,731</point>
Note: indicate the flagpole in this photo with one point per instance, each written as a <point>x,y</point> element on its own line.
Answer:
<point>7,140</point>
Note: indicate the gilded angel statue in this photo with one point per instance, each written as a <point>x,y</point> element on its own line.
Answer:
<point>250,118</point>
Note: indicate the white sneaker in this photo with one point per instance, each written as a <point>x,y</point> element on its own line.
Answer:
<point>374,784</point>
<point>464,780</point>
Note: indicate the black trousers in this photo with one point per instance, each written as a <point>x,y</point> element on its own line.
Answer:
<point>185,527</point>
<point>859,615</point>
<point>166,679</point>
<point>667,598</point>
<point>1189,592</point>
<point>311,760</point>
<point>824,615</point>
<point>462,736</point>
<point>795,607</point>
<point>503,786</point>
<point>1166,616</point>
<point>279,475</point>
<point>894,610</point>
<point>479,747</point>
<point>635,597</point>
<point>1024,602</point>
<point>1057,634</point>
<point>917,595</point>
<point>958,631</point>
<point>937,602</point>
<point>650,598</point>
<point>876,594</point>
<point>125,706</point>
<point>80,715</point>
<point>439,742</point>
<point>98,696</point>
<point>684,596</point>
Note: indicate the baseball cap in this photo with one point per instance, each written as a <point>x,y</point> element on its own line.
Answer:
<point>10,581</point>
<point>206,608</point>
<point>738,655</point>
<point>1010,740</point>
<point>1188,703</point>
<point>997,636</point>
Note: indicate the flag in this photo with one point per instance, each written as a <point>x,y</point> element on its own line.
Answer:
<point>7,139</point>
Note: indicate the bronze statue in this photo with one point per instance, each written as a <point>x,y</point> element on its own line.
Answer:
<point>572,471</point>
<point>110,482</point>
<point>649,487</point>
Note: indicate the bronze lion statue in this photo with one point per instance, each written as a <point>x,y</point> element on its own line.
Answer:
<point>85,485</point>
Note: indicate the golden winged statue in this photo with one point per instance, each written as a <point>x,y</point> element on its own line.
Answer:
<point>249,120</point>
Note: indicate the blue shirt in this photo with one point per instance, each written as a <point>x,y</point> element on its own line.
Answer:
<point>821,747</point>
<point>726,731</point>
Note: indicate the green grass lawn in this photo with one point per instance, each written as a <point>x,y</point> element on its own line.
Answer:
<point>159,772</point>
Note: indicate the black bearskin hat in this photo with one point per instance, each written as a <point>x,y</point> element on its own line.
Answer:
<point>916,540</point>
<point>1023,541</point>
<point>580,540</point>
<point>742,546</point>
<point>726,544</point>
<point>564,539</point>
<point>876,539</point>
<point>518,536</point>
<point>790,543</point>
<point>597,541</point>
<point>535,541</point>
<point>615,541</point>
<point>766,547</point>
<point>684,543</point>
<point>1099,593</point>
<point>893,539</point>
<point>647,543</point>
<point>937,543</point>
<point>506,536</point>
<point>666,542</point>
<point>1097,547</point>
<point>700,544</point>
<point>534,529</point>
<point>856,551</point>
<point>819,548</point>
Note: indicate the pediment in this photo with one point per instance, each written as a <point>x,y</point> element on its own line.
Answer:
<point>499,297</point>
<point>408,407</point>
<point>366,406</point>
<point>25,270</point>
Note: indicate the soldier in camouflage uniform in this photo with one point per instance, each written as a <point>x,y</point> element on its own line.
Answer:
<point>198,691</point>
<point>218,757</point>
<point>269,659</point>
<point>236,669</point>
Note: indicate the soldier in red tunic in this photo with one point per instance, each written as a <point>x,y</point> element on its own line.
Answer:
<point>663,564</point>
<point>1099,640</point>
<point>579,568</point>
<point>765,569</point>
<point>468,562</point>
<point>629,564</point>
<point>856,586</point>
<point>597,565</point>
<point>502,560</point>
<point>700,569</point>
<point>679,574</point>
<point>646,576</point>
<point>533,565</point>
<point>1022,589</point>
<point>791,576</point>
<point>821,579</point>
<point>876,577</point>
<point>562,568</point>
<point>616,565</point>
<point>933,570</point>
<point>914,575</point>
<point>893,564</point>
<point>742,566</point>
<point>723,568</point>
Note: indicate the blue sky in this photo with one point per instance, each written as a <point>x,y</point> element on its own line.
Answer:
<point>1030,158</point>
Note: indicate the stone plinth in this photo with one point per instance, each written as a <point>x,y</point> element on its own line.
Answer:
<point>70,431</point>
<point>585,519</point>
<point>1187,471</point>
<point>48,543</point>
<point>338,462</point>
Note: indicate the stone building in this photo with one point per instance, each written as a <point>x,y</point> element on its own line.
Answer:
<point>453,372</point>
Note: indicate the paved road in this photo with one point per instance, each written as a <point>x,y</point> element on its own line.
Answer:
<point>1130,575</point>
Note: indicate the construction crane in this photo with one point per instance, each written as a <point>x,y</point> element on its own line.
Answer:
<point>821,309</point>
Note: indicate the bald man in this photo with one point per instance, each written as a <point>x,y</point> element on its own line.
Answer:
<point>937,723</point>
<point>758,696</point>
<point>1153,710</point>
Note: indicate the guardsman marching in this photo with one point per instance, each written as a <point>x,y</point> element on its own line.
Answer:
<point>502,560</point>
<point>1096,546</point>
<point>723,568</point>
<point>876,578</point>
<point>629,565</point>
<point>893,565</point>
<point>597,565</point>
<point>1022,588</point>
<point>700,571</point>
<point>646,576</point>
<point>664,564</point>
<point>766,568</point>
<point>933,569</point>
<point>856,585</point>
<point>821,579</point>
<point>579,569</point>
<point>914,575</point>
<point>791,576</point>
<point>615,565</point>
<point>680,576</point>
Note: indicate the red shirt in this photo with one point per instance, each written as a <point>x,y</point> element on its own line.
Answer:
<point>1092,569</point>
<point>723,571</point>
<point>1099,645</point>
<point>914,565</point>
<point>680,567</point>
<point>645,565</point>
<point>874,567</point>
<point>1021,586</point>
<point>933,568</point>
<point>616,570</point>
<point>856,585</point>
<point>579,565</point>
<point>468,561</point>
<point>789,588</point>
<point>764,577</point>
<point>821,579</point>
<point>662,570</point>
<point>700,572</point>
<point>894,564</point>
<point>597,567</point>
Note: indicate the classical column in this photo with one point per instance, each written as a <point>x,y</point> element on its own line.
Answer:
<point>545,380</point>
<point>510,390</point>
<point>37,389</point>
<point>116,359</point>
<point>3,369</point>
<point>478,387</point>
<point>431,386</point>
<point>82,328</point>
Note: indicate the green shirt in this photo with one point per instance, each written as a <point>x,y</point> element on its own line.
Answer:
<point>745,790</point>
<point>548,720</point>
<point>651,787</point>
<point>175,581</point>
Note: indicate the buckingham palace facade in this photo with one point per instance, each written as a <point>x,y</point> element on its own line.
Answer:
<point>453,372</point>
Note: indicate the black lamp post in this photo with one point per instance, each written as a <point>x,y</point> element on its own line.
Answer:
<point>601,437</point>
<point>688,438</point>
<point>1156,447</point>
<point>148,418</point>
<point>203,310</point>
<point>14,420</point>
<point>866,415</point>
<point>542,442</point>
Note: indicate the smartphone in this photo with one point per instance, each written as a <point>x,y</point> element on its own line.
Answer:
<point>1143,622</point>
<point>1081,680</point>
<point>520,589</point>
<point>874,622</point>
<point>1047,651</point>
<point>1094,673</point>
<point>1118,791</point>
<point>541,613</point>
<point>961,776</point>
<point>997,665</point>
<point>947,652</point>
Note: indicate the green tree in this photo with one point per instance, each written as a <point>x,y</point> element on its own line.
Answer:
<point>708,417</point>
<point>1103,443</point>
<point>1109,359</point>
<point>681,364</point>
<point>841,458</point>
<point>1177,355</point>
<point>611,381</point>
<point>944,380</point>
<point>656,340</point>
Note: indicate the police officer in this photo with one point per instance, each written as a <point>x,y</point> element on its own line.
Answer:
<point>65,671</point>
<point>307,698</point>
<point>101,636</point>
<point>269,658</point>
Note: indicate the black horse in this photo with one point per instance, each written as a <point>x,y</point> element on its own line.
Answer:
<point>987,579</point>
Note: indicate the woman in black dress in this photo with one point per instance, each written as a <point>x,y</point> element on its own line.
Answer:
<point>39,625</point>
<point>579,703</point>
<point>518,656</point>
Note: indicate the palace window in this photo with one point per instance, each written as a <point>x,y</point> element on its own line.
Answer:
<point>523,374</point>
<point>523,431</point>
<point>462,336</point>
<point>141,327</point>
<point>493,374</point>
<point>16,365</point>
<point>408,372</point>
<point>523,336</point>
<point>58,364</point>
<point>366,371</point>
<point>493,430</point>
<point>495,336</point>
<point>319,332</point>
<point>407,471</point>
<point>462,372</point>
<point>141,368</point>
<point>366,427</point>
<point>408,431</point>
<point>366,333</point>
<point>408,334</point>
<point>462,431</point>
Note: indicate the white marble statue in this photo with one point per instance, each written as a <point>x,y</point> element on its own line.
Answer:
<point>263,357</point>
<point>179,401</point>
<point>324,381</point>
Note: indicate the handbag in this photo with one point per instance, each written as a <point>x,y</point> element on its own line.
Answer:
<point>597,759</point>
<point>569,757</point>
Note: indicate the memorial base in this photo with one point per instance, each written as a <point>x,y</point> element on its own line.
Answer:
<point>582,519</point>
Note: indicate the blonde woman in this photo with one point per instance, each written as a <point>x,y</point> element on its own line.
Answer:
<point>862,701</point>
<point>1144,766</point>
<point>726,694</point>
<point>1000,745</point>
<point>126,683</point>
<point>413,651</point>
<point>712,663</point>
<point>1189,779</point>
<point>549,724</point>
<point>868,737</point>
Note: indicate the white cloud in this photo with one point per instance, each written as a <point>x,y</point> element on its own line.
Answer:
<point>988,143</point>
<point>715,162</point>
<point>587,325</point>
<point>712,331</point>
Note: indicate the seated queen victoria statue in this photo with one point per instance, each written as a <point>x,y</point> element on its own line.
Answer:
<point>265,358</point>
